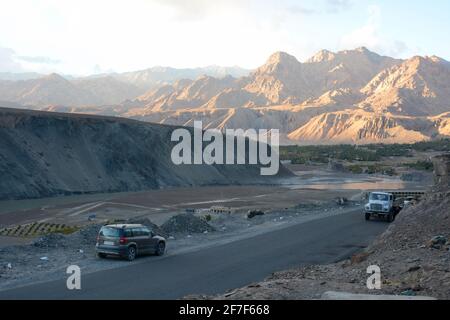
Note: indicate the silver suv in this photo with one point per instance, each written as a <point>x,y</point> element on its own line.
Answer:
<point>128,241</point>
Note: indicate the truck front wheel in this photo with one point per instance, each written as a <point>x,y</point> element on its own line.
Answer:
<point>390,217</point>
<point>367,216</point>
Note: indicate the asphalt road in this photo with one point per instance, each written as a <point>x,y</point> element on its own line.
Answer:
<point>222,268</point>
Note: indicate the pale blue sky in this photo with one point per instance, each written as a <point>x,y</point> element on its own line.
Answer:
<point>87,36</point>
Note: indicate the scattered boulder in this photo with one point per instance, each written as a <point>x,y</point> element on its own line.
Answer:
<point>253,213</point>
<point>437,242</point>
<point>186,224</point>
<point>341,201</point>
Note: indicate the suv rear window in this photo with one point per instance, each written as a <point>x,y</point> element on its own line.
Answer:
<point>110,232</point>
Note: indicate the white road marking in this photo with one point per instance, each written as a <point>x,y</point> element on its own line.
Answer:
<point>99,204</point>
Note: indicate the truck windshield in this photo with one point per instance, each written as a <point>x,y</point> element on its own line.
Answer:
<point>379,197</point>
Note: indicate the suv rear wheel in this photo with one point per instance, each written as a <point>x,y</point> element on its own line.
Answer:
<point>131,253</point>
<point>161,248</point>
<point>101,255</point>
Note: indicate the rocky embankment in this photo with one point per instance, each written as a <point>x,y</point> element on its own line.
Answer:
<point>46,154</point>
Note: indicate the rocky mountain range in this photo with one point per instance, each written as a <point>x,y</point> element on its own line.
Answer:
<point>35,90</point>
<point>351,96</point>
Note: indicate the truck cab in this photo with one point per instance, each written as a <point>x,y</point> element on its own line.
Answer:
<point>381,205</point>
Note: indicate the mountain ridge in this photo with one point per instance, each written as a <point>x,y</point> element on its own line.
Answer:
<point>373,98</point>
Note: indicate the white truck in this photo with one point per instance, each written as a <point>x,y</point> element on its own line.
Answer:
<point>382,205</point>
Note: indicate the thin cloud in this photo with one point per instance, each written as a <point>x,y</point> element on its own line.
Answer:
<point>369,36</point>
<point>335,6</point>
<point>199,9</point>
<point>8,62</point>
<point>329,7</point>
<point>366,35</point>
<point>39,60</point>
<point>302,10</point>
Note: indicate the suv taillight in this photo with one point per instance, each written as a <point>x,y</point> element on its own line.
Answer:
<point>123,240</point>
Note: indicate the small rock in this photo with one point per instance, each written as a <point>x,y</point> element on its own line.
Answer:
<point>205,232</point>
<point>414,268</point>
<point>171,238</point>
<point>437,242</point>
<point>253,213</point>
<point>408,292</point>
<point>341,201</point>
<point>44,258</point>
<point>81,251</point>
<point>359,257</point>
<point>9,266</point>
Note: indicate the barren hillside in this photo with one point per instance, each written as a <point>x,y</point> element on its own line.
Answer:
<point>45,154</point>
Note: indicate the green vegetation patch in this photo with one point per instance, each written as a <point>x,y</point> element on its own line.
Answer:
<point>421,165</point>
<point>372,152</point>
<point>322,154</point>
